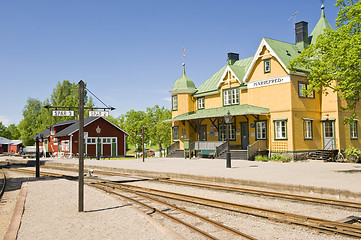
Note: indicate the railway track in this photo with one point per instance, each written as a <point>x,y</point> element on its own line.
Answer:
<point>287,196</point>
<point>3,184</point>
<point>110,189</point>
<point>278,216</point>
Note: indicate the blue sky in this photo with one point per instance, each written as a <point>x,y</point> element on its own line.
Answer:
<point>130,52</point>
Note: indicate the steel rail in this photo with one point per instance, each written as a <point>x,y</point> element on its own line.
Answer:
<point>177,220</point>
<point>241,190</point>
<point>41,173</point>
<point>3,185</point>
<point>214,223</point>
<point>268,193</point>
<point>321,224</point>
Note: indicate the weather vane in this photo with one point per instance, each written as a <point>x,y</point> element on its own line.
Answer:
<point>183,55</point>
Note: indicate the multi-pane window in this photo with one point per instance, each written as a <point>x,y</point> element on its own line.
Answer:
<point>230,96</point>
<point>307,128</point>
<point>280,129</point>
<point>175,133</point>
<point>353,129</point>
<point>65,145</point>
<point>174,102</point>
<point>201,103</point>
<point>223,132</point>
<point>267,65</point>
<point>261,132</point>
<point>302,86</point>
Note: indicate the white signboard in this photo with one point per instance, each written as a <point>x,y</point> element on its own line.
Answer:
<point>98,114</point>
<point>268,82</point>
<point>63,113</point>
<point>85,134</point>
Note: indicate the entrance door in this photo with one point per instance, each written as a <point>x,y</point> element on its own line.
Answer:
<point>203,133</point>
<point>244,135</point>
<point>329,135</point>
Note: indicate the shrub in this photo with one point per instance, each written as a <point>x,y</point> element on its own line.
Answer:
<point>353,154</point>
<point>261,158</point>
<point>280,158</point>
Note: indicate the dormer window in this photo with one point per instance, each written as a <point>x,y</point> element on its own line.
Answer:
<point>201,103</point>
<point>267,65</point>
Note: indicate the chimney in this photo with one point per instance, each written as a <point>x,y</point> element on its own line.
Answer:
<point>301,35</point>
<point>233,57</point>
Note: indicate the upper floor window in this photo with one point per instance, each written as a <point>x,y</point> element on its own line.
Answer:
<point>307,129</point>
<point>302,86</point>
<point>174,102</point>
<point>201,103</point>
<point>231,96</point>
<point>353,129</point>
<point>280,129</point>
<point>267,65</point>
<point>261,130</point>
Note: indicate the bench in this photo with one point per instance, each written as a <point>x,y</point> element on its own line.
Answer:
<point>208,153</point>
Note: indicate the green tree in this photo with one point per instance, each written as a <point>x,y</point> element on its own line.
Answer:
<point>12,132</point>
<point>159,131</point>
<point>30,125</point>
<point>333,63</point>
<point>2,130</point>
<point>133,124</point>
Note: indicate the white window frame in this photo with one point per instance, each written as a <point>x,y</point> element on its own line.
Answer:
<point>175,129</point>
<point>261,130</point>
<point>280,129</point>
<point>223,133</point>
<point>65,145</point>
<point>201,103</point>
<point>175,102</point>
<point>231,96</point>
<point>267,65</point>
<point>353,129</point>
<point>307,128</point>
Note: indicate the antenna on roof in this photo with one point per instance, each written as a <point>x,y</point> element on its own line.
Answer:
<point>183,55</point>
<point>293,17</point>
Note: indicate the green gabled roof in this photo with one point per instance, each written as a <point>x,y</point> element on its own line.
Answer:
<point>183,84</point>
<point>320,27</point>
<point>284,51</point>
<point>239,68</point>
<point>234,110</point>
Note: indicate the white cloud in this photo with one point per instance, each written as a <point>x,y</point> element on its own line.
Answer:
<point>5,120</point>
<point>167,99</point>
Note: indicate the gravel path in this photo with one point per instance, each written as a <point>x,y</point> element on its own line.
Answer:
<point>51,212</point>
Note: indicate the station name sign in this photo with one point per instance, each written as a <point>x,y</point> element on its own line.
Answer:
<point>63,113</point>
<point>98,113</point>
<point>268,82</point>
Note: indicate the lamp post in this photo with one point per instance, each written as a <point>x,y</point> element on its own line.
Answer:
<point>228,119</point>
<point>98,130</point>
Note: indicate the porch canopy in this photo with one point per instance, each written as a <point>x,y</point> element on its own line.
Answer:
<point>234,110</point>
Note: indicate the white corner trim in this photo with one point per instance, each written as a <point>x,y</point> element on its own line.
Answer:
<point>256,56</point>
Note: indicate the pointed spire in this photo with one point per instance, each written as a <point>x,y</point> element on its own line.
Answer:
<point>320,27</point>
<point>323,11</point>
<point>183,84</point>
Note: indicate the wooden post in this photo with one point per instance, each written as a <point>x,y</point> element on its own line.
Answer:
<point>81,147</point>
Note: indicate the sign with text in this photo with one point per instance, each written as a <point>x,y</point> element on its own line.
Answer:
<point>63,113</point>
<point>98,114</point>
<point>268,82</point>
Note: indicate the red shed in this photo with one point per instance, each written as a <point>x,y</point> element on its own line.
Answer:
<point>62,138</point>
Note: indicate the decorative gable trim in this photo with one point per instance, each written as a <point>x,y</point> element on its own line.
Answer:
<point>257,56</point>
<point>224,74</point>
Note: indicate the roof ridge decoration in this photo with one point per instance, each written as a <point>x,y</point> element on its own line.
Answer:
<point>228,68</point>
<point>183,84</point>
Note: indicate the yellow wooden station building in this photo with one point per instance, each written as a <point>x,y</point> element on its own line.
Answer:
<point>264,99</point>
